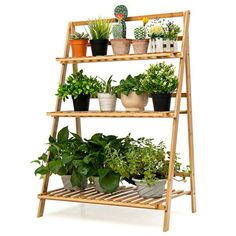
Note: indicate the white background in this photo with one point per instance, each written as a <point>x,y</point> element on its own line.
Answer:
<point>32,35</point>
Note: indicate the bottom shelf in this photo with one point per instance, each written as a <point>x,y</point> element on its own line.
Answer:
<point>125,196</point>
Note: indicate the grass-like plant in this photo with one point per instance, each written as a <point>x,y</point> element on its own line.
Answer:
<point>99,28</point>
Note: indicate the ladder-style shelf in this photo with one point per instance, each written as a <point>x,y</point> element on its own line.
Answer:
<point>128,196</point>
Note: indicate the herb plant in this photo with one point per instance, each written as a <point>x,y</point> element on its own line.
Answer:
<point>171,31</point>
<point>99,28</point>
<point>160,78</point>
<point>77,36</point>
<point>131,84</point>
<point>79,83</point>
<point>107,85</point>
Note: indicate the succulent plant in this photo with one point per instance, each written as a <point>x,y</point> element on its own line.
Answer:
<point>121,13</point>
<point>76,36</point>
<point>117,31</point>
<point>140,33</point>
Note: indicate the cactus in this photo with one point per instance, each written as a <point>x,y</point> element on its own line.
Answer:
<point>117,31</point>
<point>140,33</point>
<point>121,13</point>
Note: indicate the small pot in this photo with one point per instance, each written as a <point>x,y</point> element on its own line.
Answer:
<point>81,103</point>
<point>156,45</point>
<point>99,47</point>
<point>79,47</point>
<point>155,191</point>
<point>161,101</point>
<point>120,46</point>
<point>134,102</point>
<point>166,45</point>
<point>140,46</point>
<point>173,45</point>
<point>97,185</point>
<point>67,184</point>
<point>107,101</point>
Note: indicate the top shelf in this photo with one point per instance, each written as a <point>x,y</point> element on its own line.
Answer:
<point>125,57</point>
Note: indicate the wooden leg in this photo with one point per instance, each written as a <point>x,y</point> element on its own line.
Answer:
<point>190,131</point>
<point>171,175</point>
<point>78,126</point>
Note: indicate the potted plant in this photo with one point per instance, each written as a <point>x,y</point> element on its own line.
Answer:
<point>160,82</point>
<point>79,42</point>
<point>120,45</point>
<point>80,87</point>
<point>171,31</point>
<point>104,178</point>
<point>145,163</point>
<point>140,43</point>
<point>106,96</point>
<point>133,96</point>
<point>100,30</point>
<point>63,160</point>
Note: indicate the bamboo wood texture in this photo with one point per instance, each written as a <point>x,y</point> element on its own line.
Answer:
<point>125,57</point>
<point>135,18</point>
<point>175,126</point>
<point>115,114</point>
<point>55,120</point>
<point>125,196</point>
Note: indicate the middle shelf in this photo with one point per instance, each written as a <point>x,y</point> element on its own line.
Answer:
<point>115,114</point>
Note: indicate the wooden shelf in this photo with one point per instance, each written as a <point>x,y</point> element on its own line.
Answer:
<point>125,57</point>
<point>125,196</point>
<point>115,114</point>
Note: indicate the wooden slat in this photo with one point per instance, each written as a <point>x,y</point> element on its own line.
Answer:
<point>125,57</point>
<point>115,114</point>
<point>125,196</point>
<point>135,18</point>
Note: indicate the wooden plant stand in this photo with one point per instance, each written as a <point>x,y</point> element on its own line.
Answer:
<point>128,196</point>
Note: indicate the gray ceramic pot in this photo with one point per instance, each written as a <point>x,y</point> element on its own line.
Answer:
<point>146,191</point>
<point>97,185</point>
<point>67,184</point>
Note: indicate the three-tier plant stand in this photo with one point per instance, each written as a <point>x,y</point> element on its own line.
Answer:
<point>128,196</point>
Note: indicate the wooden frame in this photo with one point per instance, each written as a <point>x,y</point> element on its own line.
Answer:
<point>127,196</point>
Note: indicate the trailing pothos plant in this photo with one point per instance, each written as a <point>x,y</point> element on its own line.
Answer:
<point>160,78</point>
<point>65,157</point>
<point>141,159</point>
<point>77,84</point>
<point>131,84</point>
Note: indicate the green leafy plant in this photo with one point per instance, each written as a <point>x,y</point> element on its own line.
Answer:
<point>79,83</point>
<point>171,31</point>
<point>160,78</point>
<point>77,36</point>
<point>107,85</point>
<point>131,84</point>
<point>65,157</point>
<point>141,159</point>
<point>99,28</point>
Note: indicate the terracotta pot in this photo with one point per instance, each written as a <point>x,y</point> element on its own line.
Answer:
<point>134,102</point>
<point>120,46</point>
<point>79,47</point>
<point>140,46</point>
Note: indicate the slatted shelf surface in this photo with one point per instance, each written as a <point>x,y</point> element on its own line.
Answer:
<point>124,196</point>
<point>123,57</point>
<point>115,114</point>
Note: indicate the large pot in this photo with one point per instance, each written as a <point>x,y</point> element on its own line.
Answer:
<point>161,101</point>
<point>99,47</point>
<point>67,184</point>
<point>79,47</point>
<point>140,46</point>
<point>120,46</point>
<point>134,102</point>
<point>81,103</point>
<point>107,101</point>
<point>157,190</point>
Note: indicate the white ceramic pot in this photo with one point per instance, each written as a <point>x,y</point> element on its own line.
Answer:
<point>107,102</point>
<point>67,184</point>
<point>134,102</point>
<point>157,190</point>
<point>166,45</point>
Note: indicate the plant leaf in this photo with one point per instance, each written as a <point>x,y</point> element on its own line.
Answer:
<point>76,179</point>
<point>63,135</point>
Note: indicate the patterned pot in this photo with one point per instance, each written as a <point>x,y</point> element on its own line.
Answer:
<point>157,190</point>
<point>107,102</point>
<point>156,45</point>
<point>120,46</point>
